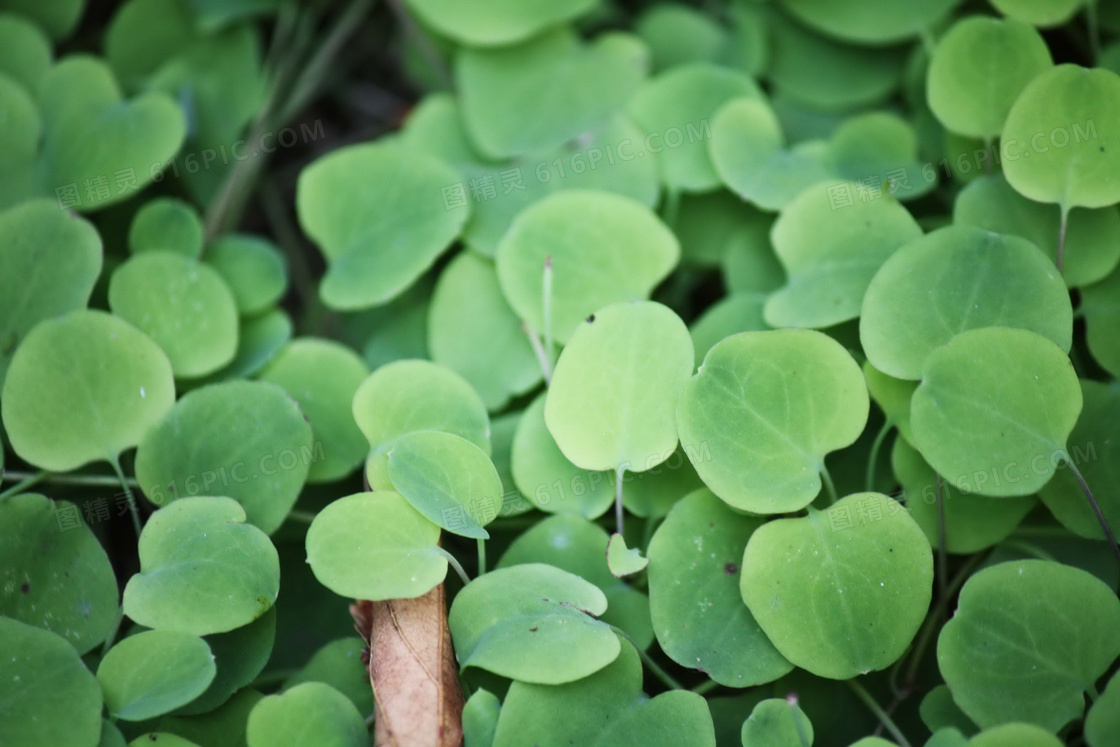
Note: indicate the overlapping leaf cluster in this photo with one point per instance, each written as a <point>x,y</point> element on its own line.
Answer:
<point>768,350</point>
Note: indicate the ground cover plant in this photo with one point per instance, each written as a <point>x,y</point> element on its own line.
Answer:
<point>582,372</point>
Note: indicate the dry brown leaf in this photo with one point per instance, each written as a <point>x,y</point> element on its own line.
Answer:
<point>412,669</point>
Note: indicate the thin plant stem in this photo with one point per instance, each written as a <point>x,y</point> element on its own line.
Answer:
<point>705,687</point>
<point>1095,506</point>
<point>92,481</point>
<point>1063,225</point>
<point>481,556</point>
<point>1092,20</point>
<point>828,484</point>
<point>454,564</point>
<point>132,507</point>
<point>538,350</point>
<point>873,457</point>
<point>883,716</point>
<point>302,517</point>
<point>25,482</point>
<point>546,311</point>
<point>619,515</point>
<point>666,678</point>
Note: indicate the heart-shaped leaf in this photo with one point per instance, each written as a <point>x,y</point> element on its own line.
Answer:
<point>152,673</point>
<point>375,546</point>
<point>862,570</point>
<point>777,723</point>
<point>202,569</point>
<point>1011,651</point>
<point>622,560</point>
<point>308,715</point>
<point>83,388</point>
<point>765,408</point>
<point>612,398</point>
<point>994,410</point>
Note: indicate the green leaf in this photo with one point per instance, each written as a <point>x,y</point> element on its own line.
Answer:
<point>1015,735</point>
<point>604,248</point>
<point>537,94</point>
<point>1068,121</point>
<point>994,410</point>
<point>623,561</point>
<point>1092,447</point>
<point>738,312</point>
<point>258,342</point>
<point>870,21</point>
<point>1012,651</point>
<point>1101,305</point>
<point>661,721</point>
<point>473,331</point>
<point>82,388</point>
<point>240,656</point>
<point>38,550</point>
<point>183,305</point>
<point>49,262</point>
<point>111,736</point>
<point>777,723</point>
<point>578,546</point>
<point>547,479</point>
<point>322,376</point>
<point>246,440</point>
<point>532,623</point>
<point>308,715</point>
<point>224,727</point>
<point>160,739</point>
<point>339,664</point>
<point>862,571</point>
<point>878,151</point>
<point>677,34</point>
<point>255,270</point>
<point>152,673</point>
<point>166,223</point>
<point>480,718</point>
<point>830,253</point>
<point>447,479</point>
<point>613,394</point>
<point>893,397</point>
<point>682,101</point>
<point>1039,12</point>
<point>1102,725</point>
<point>697,610</point>
<point>27,51</point>
<point>709,224</point>
<point>497,23</point>
<point>375,546</point>
<point>956,279</point>
<point>978,69</point>
<point>377,214</point>
<point>47,696</point>
<point>938,711</point>
<point>972,522</point>
<point>765,407</point>
<point>202,569</point>
<point>1092,242</point>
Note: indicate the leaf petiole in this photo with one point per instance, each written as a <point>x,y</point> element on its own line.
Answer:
<point>884,718</point>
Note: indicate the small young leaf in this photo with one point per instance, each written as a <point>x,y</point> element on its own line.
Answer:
<point>623,561</point>
<point>308,715</point>
<point>255,270</point>
<point>152,673</point>
<point>480,718</point>
<point>777,723</point>
<point>166,224</point>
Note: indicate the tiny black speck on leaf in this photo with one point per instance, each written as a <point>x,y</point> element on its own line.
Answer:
<point>25,588</point>
<point>731,569</point>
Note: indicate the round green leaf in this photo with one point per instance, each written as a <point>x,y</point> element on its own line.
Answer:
<point>258,341</point>
<point>339,664</point>
<point>83,388</point>
<point>532,623</point>
<point>49,261</point>
<point>1093,445</point>
<point>661,721</point>
<point>53,574</point>
<point>697,610</point>
<point>1061,142</point>
<point>166,224</point>
<point>1102,724</point>
<point>978,70</point>
<point>539,93</point>
<point>47,696</point>
<point>684,100</point>
<point>545,476</point>
<point>878,152</point>
<point>1012,651</point>
<point>938,711</point>
<point>677,34</point>
<point>496,23</point>
<point>202,569</point>
<point>862,572</point>
<point>240,656</point>
<point>28,50</point>
<point>830,252</point>
<point>1039,12</point>
<point>956,279</point>
<point>377,214</point>
<point>183,305</point>
<point>246,440</point>
<point>151,673</point>
<point>604,248</point>
<point>972,522</point>
<point>447,479</point>
<point>765,408</point>
<point>870,21</point>
<point>322,377</point>
<point>994,409</point>
<point>473,331</point>
<point>777,723</point>
<point>375,546</point>
<point>613,394</point>
<point>254,269</point>
<point>308,715</point>
<point>1092,243</point>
